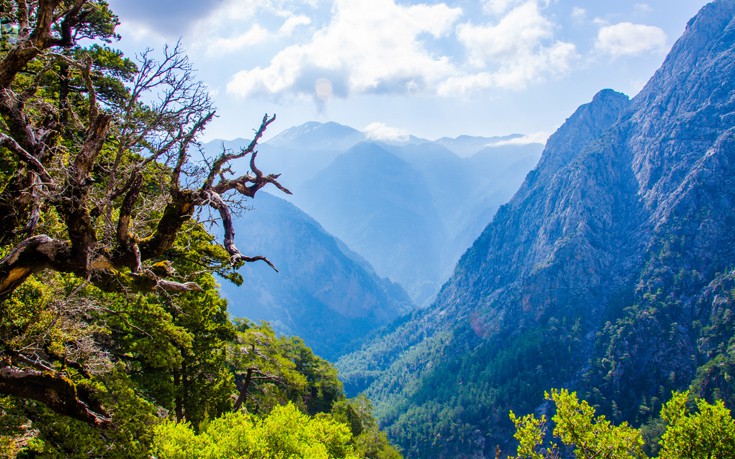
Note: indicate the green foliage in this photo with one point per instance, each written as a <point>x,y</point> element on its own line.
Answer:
<point>707,432</point>
<point>285,370</point>
<point>59,437</point>
<point>529,434</point>
<point>592,436</point>
<point>285,432</point>
<point>368,440</point>
<point>456,388</point>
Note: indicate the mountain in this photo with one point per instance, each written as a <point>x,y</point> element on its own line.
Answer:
<point>467,192</point>
<point>299,152</point>
<point>381,208</point>
<point>318,136</point>
<point>404,206</point>
<point>609,272</point>
<point>323,292</point>
<point>430,203</point>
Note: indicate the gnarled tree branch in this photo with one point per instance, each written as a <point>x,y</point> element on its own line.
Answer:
<point>31,256</point>
<point>55,391</point>
<point>236,257</point>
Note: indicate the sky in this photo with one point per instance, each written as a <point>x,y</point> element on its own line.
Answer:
<point>393,68</point>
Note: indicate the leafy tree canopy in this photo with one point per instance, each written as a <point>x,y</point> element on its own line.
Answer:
<point>113,336</point>
<point>692,429</point>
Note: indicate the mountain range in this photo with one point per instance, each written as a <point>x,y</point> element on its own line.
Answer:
<point>374,220</point>
<point>412,208</point>
<point>609,272</point>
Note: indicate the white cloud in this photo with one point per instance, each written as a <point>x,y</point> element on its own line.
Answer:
<point>254,36</point>
<point>627,39</point>
<point>643,8</point>
<point>380,46</point>
<point>579,13</point>
<point>224,45</point>
<point>516,51</point>
<point>138,31</point>
<point>498,7</point>
<point>536,137</point>
<point>381,131</point>
<point>292,23</point>
<point>520,30</point>
<point>515,74</point>
<point>369,46</point>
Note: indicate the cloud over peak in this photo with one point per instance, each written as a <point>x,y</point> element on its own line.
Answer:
<point>628,39</point>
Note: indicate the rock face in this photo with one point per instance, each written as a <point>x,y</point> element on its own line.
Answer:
<point>323,292</point>
<point>607,272</point>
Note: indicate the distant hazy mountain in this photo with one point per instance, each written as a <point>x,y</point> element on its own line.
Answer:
<point>323,293</point>
<point>382,209</point>
<point>468,191</point>
<point>409,207</point>
<point>609,272</point>
<point>412,209</point>
<point>318,136</point>
<point>300,152</point>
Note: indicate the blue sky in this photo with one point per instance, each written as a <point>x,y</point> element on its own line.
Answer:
<point>392,67</point>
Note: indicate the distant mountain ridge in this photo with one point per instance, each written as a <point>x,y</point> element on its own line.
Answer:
<point>415,227</point>
<point>374,196</point>
<point>318,136</point>
<point>412,208</point>
<point>608,272</point>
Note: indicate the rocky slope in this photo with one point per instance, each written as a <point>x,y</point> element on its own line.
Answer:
<point>606,272</point>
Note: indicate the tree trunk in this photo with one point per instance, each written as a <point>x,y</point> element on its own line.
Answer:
<point>244,390</point>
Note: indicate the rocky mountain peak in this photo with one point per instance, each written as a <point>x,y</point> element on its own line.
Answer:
<point>587,123</point>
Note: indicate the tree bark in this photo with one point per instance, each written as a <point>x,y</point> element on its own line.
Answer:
<point>55,391</point>
<point>31,256</point>
<point>244,390</point>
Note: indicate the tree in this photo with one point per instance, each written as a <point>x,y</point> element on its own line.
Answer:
<point>265,373</point>
<point>576,425</point>
<point>174,346</point>
<point>97,180</point>
<point>285,432</point>
<point>97,171</point>
<point>368,440</point>
<point>707,432</point>
<point>272,370</point>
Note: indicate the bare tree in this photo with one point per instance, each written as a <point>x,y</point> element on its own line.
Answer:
<point>153,138</point>
<point>116,169</point>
